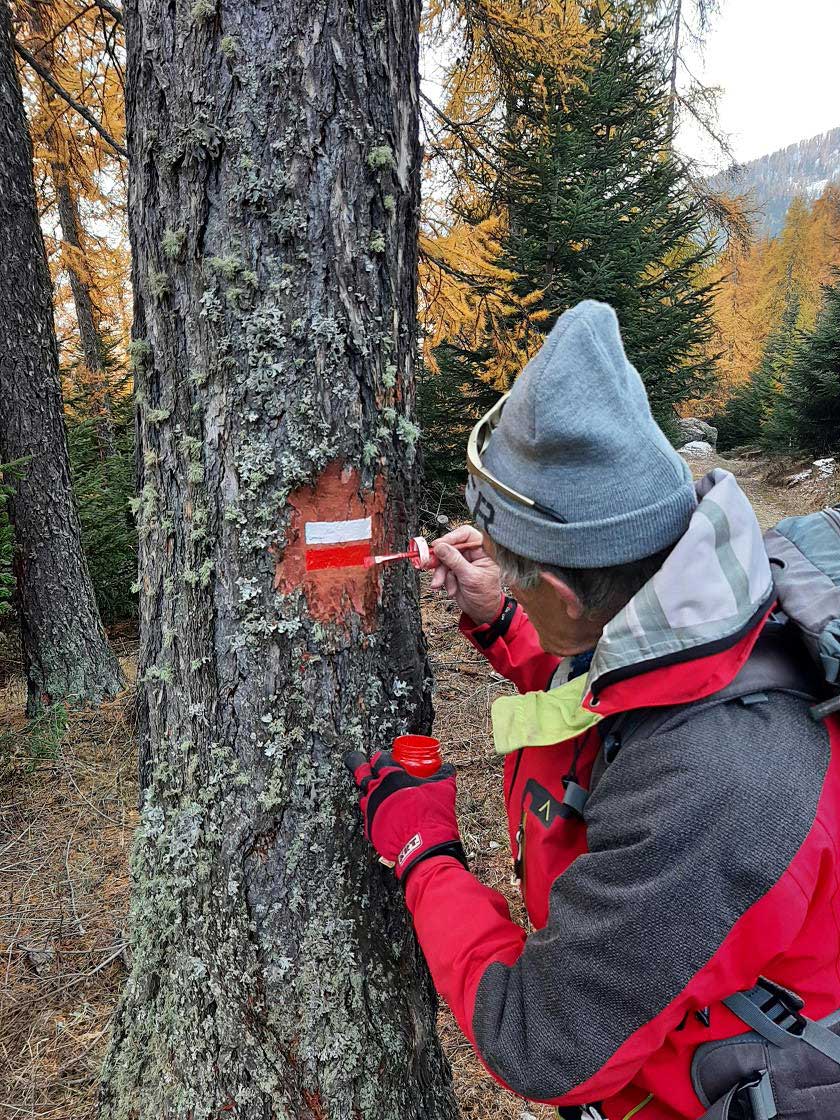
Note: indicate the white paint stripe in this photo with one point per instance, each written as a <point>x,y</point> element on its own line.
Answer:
<point>337,532</point>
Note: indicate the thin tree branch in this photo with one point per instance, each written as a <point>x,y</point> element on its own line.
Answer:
<point>111,9</point>
<point>45,76</point>
<point>720,140</point>
<point>458,130</point>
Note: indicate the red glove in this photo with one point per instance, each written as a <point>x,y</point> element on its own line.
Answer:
<point>407,819</point>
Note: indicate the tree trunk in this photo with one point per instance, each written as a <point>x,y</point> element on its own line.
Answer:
<point>672,78</point>
<point>87,315</point>
<point>273,217</point>
<point>65,651</point>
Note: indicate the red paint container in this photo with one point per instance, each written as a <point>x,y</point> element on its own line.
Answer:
<point>420,755</point>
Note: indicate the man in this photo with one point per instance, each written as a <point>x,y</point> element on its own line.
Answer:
<point>674,811</point>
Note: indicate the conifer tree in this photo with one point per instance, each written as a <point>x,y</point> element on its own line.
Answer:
<point>808,411</point>
<point>450,400</point>
<point>755,286</point>
<point>597,206</point>
<point>750,413</point>
<point>600,207</point>
<point>274,188</point>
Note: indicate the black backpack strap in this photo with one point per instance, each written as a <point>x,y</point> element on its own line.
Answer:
<point>754,1093</point>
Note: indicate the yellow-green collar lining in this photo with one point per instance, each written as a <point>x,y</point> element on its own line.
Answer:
<point>540,719</point>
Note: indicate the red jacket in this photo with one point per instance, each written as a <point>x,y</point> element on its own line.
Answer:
<point>708,856</point>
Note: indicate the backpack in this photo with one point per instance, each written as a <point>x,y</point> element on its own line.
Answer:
<point>804,556</point>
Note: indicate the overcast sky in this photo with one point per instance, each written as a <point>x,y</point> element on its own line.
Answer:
<point>778,64</point>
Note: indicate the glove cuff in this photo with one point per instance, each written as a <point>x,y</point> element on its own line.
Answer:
<point>453,848</point>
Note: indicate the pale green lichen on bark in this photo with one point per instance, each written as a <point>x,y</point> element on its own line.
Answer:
<point>139,354</point>
<point>382,156</point>
<point>158,285</point>
<point>228,266</point>
<point>203,10</point>
<point>172,243</point>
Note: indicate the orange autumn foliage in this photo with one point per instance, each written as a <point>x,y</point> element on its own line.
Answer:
<point>757,285</point>
<point>81,188</point>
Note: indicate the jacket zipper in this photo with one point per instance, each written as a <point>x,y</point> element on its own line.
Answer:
<point>518,878</point>
<point>518,866</point>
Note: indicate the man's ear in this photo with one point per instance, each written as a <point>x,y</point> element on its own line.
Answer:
<point>574,607</point>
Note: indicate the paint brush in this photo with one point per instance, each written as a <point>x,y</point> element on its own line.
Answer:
<point>418,553</point>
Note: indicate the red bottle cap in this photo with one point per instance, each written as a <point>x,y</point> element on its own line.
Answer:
<point>420,755</point>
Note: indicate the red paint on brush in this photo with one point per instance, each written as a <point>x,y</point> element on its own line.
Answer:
<point>354,555</point>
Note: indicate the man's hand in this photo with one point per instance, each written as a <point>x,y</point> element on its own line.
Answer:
<point>467,574</point>
<point>407,819</point>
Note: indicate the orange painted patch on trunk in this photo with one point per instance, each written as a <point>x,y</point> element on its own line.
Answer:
<point>333,591</point>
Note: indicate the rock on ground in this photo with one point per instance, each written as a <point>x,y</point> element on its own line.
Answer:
<point>697,449</point>
<point>692,429</point>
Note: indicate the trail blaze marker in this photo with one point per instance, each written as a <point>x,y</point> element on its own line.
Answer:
<point>334,525</point>
<point>337,544</point>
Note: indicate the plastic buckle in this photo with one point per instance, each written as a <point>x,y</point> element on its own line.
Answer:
<point>784,1008</point>
<point>574,798</point>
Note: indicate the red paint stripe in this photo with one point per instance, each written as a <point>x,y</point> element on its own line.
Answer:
<point>337,556</point>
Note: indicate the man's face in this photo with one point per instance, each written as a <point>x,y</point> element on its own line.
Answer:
<point>562,625</point>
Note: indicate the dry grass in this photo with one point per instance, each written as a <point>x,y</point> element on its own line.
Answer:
<point>65,831</point>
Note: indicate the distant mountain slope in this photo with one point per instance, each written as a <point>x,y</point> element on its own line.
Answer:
<point>805,168</point>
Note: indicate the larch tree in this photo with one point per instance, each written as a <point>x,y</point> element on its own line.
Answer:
<point>66,654</point>
<point>757,288</point>
<point>42,44</point>
<point>273,216</point>
<point>468,299</point>
<point>70,53</point>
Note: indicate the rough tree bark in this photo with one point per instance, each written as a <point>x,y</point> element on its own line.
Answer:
<point>273,214</point>
<point>66,654</point>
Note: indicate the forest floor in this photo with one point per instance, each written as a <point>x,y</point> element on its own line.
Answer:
<point>68,800</point>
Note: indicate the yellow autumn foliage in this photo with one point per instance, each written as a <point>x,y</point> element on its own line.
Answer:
<point>756,285</point>
<point>76,168</point>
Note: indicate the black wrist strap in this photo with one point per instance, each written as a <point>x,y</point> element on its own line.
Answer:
<point>452,848</point>
<point>499,627</point>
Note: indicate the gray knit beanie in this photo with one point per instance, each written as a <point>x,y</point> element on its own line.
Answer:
<point>577,436</point>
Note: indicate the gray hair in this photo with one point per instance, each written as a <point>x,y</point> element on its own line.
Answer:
<point>602,591</point>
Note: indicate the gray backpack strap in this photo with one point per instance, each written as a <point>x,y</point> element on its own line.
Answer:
<point>804,554</point>
<point>776,1014</point>
<point>755,1093</point>
<point>785,1065</point>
